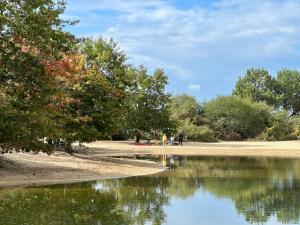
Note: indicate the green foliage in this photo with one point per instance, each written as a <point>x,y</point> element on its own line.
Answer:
<point>280,92</point>
<point>51,88</point>
<point>147,101</point>
<point>184,107</point>
<point>258,85</point>
<point>99,96</point>
<point>198,133</point>
<point>31,35</point>
<point>232,117</point>
<point>288,90</point>
<point>188,114</point>
<point>282,128</point>
<point>295,123</point>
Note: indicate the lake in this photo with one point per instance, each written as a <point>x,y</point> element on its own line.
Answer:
<point>194,191</point>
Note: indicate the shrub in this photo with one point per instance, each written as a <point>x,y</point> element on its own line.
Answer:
<point>236,118</point>
<point>295,123</point>
<point>198,133</point>
<point>184,107</point>
<point>283,128</point>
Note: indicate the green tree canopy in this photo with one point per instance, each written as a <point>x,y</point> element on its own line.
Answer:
<point>99,96</point>
<point>233,117</point>
<point>31,36</point>
<point>185,107</point>
<point>148,101</point>
<point>288,90</point>
<point>258,85</point>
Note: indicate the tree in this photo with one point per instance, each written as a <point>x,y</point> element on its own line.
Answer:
<point>148,101</point>
<point>31,35</point>
<point>185,107</point>
<point>95,93</point>
<point>189,115</point>
<point>258,85</point>
<point>234,118</point>
<point>288,90</point>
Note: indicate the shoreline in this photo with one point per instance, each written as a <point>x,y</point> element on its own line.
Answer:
<point>18,170</point>
<point>27,169</point>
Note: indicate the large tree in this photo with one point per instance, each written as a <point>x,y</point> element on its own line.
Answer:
<point>148,101</point>
<point>31,35</point>
<point>258,85</point>
<point>95,93</point>
<point>288,90</point>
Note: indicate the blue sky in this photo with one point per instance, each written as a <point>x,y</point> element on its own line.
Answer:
<point>203,45</point>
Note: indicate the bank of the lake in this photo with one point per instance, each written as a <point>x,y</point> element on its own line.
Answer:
<point>19,170</point>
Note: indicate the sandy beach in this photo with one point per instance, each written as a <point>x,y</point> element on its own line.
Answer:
<point>96,162</point>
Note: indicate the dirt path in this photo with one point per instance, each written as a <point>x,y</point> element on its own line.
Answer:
<point>17,170</point>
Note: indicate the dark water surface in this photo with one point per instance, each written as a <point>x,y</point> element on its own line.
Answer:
<point>196,191</point>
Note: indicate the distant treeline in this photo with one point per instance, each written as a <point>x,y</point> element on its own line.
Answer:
<point>261,106</point>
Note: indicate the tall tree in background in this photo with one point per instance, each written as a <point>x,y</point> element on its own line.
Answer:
<point>288,90</point>
<point>281,92</point>
<point>185,107</point>
<point>257,85</point>
<point>148,101</point>
<point>31,35</point>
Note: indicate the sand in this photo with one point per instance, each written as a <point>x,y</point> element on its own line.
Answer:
<point>96,162</point>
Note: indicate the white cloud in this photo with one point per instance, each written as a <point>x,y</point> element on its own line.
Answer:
<point>197,44</point>
<point>194,87</point>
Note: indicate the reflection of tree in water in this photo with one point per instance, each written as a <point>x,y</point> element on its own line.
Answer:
<point>120,201</point>
<point>60,205</point>
<point>140,198</point>
<point>258,199</point>
<point>259,207</point>
<point>260,188</point>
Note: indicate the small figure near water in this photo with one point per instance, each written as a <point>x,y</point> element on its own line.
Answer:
<point>165,140</point>
<point>137,136</point>
<point>172,140</point>
<point>180,138</point>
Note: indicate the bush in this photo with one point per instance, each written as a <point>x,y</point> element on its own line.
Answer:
<point>230,136</point>
<point>283,128</point>
<point>235,118</point>
<point>184,107</point>
<point>295,123</point>
<point>277,133</point>
<point>198,133</point>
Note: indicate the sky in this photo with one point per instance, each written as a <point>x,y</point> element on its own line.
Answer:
<point>203,45</point>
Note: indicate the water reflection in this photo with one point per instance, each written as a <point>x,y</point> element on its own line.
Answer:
<point>172,161</point>
<point>258,189</point>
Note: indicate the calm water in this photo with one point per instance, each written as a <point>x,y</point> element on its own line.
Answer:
<point>196,191</point>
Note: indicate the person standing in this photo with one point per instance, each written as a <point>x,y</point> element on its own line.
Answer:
<point>137,136</point>
<point>172,139</point>
<point>180,138</point>
<point>164,139</point>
